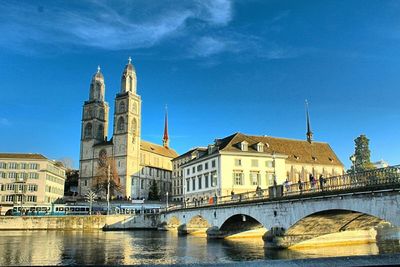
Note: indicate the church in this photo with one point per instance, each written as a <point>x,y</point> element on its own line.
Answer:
<point>138,163</point>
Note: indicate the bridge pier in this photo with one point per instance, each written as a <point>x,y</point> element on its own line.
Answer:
<point>277,238</point>
<point>183,229</point>
<point>215,233</point>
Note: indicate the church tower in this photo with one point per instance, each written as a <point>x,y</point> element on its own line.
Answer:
<point>94,128</point>
<point>126,138</point>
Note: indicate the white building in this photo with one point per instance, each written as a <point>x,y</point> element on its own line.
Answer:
<point>239,163</point>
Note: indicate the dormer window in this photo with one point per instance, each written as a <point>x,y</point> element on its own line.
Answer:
<point>260,147</point>
<point>296,157</point>
<point>330,159</point>
<point>314,158</point>
<point>244,146</point>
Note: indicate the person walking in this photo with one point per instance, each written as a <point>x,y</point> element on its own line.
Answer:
<point>300,186</point>
<point>321,182</point>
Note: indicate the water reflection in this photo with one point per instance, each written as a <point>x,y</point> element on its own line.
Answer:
<point>152,247</point>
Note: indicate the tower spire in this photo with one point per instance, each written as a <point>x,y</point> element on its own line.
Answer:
<point>165,137</point>
<point>309,132</point>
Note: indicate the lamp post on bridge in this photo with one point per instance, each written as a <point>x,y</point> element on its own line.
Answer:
<point>353,160</point>
<point>166,201</point>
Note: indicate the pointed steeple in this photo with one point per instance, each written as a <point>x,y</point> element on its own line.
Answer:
<point>165,137</point>
<point>97,86</point>
<point>309,132</point>
<point>128,79</point>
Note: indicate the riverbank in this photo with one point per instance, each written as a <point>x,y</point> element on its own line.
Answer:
<point>93,222</point>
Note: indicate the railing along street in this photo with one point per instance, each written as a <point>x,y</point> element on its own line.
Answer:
<point>372,179</point>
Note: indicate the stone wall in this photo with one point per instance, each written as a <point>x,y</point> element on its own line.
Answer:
<point>95,222</point>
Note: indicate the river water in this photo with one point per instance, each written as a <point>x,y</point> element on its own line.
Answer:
<point>152,247</point>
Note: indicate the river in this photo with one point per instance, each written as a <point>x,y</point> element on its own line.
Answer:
<point>152,247</point>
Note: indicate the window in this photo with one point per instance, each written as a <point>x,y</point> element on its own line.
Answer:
<point>213,164</point>
<point>3,165</point>
<point>260,147</point>
<point>193,184</point>
<point>88,130</point>
<point>193,169</point>
<point>255,178</point>
<point>85,182</point>
<point>100,132</point>
<point>270,179</point>
<point>206,180</point>
<point>121,124</point>
<point>238,178</point>
<point>254,163</point>
<point>199,181</point>
<point>122,107</point>
<point>244,146</point>
<point>199,168</point>
<point>13,165</point>
<point>238,162</point>
<point>187,185</point>
<point>214,179</point>
<point>188,171</point>
<point>269,164</point>
<point>142,184</point>
<point>206,166</point>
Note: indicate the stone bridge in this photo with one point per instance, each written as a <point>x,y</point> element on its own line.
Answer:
<point>291,220</point>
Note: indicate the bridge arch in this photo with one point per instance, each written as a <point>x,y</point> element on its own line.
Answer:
<point>241,223</point>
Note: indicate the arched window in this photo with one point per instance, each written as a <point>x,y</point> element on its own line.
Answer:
<point>100,132</point>
<point>122,107</point>
<point>88,130</point>
<point>134,126</point>
<point>130,83</point>
<point>101,114</point>
<point>121,124</point>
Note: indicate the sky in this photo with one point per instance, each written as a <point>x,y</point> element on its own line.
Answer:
<point>221,66</point>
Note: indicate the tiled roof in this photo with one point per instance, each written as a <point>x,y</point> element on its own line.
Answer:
<point>21,156</point>
<point>200,149</point>
<point>157,149</point>
<point>298,151</point>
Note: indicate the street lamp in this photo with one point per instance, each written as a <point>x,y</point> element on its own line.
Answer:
<point>108,190</point>
<point>353,160</point>
<point>274,163</point>
<point>167,200</point>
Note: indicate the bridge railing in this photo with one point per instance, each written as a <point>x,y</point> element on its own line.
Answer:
<point>348,182</point>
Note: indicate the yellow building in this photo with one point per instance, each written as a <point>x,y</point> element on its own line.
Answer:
<point>239,163</point>
<point>32,178</point>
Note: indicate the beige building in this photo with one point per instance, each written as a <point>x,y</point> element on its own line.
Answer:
<point>134,159</point>
<point>32,178</point>
<point>239,163</point>
<point>177,173</point>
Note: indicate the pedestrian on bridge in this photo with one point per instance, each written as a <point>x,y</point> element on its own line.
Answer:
<point>322,181</point>
<point>300,183</point>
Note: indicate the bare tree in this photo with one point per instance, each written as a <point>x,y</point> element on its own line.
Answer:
<point>100,184</point>
<point>67,162</point>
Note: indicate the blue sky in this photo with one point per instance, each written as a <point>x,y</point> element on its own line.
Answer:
<point>221,66</point>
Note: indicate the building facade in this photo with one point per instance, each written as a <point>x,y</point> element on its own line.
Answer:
<point>125,148</point>
<point>240,163</point>
<point>30,178</point>
<point>177,172</point>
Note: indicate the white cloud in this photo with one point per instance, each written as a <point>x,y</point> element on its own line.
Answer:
<point>110,25</point>
<point>207,46</point>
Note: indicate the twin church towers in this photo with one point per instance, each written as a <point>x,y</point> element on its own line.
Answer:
<point>125,145</point>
